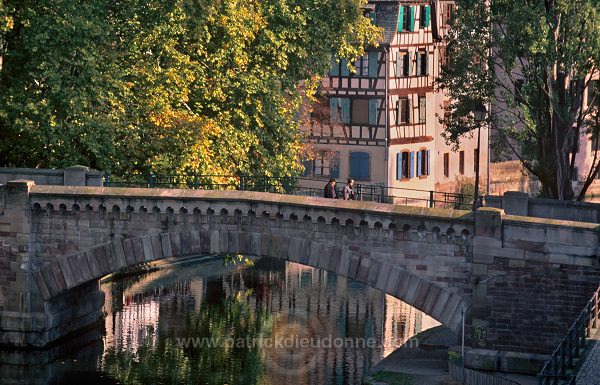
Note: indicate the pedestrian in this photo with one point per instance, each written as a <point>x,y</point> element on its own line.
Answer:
<point>330,191</point>
<point>349,190</point>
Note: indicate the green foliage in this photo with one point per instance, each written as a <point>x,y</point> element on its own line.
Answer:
<point>465,189</point>
<point>555,45</point>
<point>170,86</point>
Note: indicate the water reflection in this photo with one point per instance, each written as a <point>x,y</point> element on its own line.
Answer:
<point>273,322</point>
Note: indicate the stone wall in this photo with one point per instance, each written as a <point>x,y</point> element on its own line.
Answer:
<point>510,176</point>
<point>70,176</point>
<point>518,203</point>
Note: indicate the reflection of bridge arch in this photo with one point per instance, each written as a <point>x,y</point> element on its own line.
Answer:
<point>378,250</point>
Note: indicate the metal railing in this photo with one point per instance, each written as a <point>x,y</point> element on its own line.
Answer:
<point>294,186</point>
<point>560,368</point>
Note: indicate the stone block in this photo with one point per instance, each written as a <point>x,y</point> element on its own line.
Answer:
<point>479,269</point>
<point>119,252</point>
<point>244,243</point>
<point>488,222</point>
<point>515,203</point>
<point>147,248</point>
<point>215,242</point>
<point>75,175</point>
<point>66,270</point>
<point>526,363</point>
<point>128,251</point>
<point>157,246</point>
<point>102,262</point>
<point>84,267</point>
<point>482,359</point>
<point>138,250</point>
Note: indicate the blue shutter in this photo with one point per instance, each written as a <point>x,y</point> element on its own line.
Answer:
<point>373,111</point>
<point>401,19</point>
<point>334,167</point>
<point>399,166</point>
<point>427,16</point>
<point>364,169</point>
<point>411,20</point>
<point>428,169</point>
<point>409,64</point>
<point>373,56</point>
<point>411,165</point>
<point>419,171</point>
<point>345,110</point>
<point>399,66</point>
<point>335,67</point>
<point>418,63</point>
<point>345,70</point>
<point>333,110</point>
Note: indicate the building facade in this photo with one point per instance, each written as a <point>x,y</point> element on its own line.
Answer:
<point>379,124</point>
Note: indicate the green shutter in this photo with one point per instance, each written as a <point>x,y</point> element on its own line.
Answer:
<point>399,65</point>
<point>411,20</point>
<point>373,111</point>
<point>345,70</point>
<point>345,110</point>
<point>335,67</point>
<point>418,63</point>
<point>427,17</point>
<point>409,64</point>
<point>373,56</point>
<point>401,19</point>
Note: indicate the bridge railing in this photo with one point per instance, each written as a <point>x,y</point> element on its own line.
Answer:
<point>291,185</point>
<point>559,369</point>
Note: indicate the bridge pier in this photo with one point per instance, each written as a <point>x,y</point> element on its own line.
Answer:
<point>26,320</point>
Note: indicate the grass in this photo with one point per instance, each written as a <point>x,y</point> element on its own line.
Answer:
<point>392,378</point>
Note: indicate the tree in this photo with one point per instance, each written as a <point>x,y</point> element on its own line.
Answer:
<point>173,86</point>
<point>532,61</point>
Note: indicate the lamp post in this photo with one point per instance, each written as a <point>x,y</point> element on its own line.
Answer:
<point>480,114</point>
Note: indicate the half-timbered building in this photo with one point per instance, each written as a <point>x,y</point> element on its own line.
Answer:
<point>379,124</point>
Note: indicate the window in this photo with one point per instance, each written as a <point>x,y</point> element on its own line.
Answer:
<point>446,165</point>
<point>475,159</point>
<point>359,165</point>
<point>360,111</point>
<point>406,19</point>
<point>403,111</point>
<point>362,65</point>
<point>425,16</point>
<point>323,167</point>
<point>447,13</point>
<point>403,64</point>
<point>422,163</point>
<point>518,91</point>
<point>422,109</point>
<point>422,63</point>
<point>461,163</point>
<point>443,56</point>
<point>405,165</point>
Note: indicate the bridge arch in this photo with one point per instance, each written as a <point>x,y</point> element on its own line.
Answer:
<point>57,278</point>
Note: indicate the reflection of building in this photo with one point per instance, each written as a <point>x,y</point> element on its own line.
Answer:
<point>302,301</point>
<point>379,125</point>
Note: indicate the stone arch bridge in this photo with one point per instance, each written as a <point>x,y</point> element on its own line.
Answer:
<point>520,281</point>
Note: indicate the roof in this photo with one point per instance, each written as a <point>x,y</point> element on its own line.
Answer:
<point>386,16</point>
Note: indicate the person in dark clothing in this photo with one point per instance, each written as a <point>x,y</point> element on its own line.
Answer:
<point>330,191</point>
